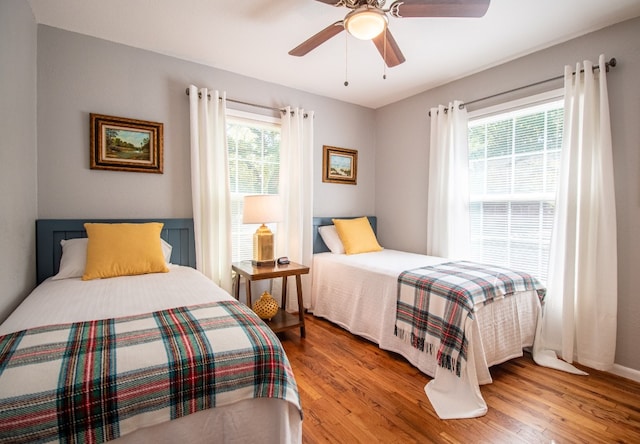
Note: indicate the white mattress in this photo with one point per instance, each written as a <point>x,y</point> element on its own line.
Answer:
<point>359,293</point>
<point>74,300</point>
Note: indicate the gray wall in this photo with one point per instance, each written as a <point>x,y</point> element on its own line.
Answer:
<point>18,196</point>
<point>402,153</point>
<point>78,75</point>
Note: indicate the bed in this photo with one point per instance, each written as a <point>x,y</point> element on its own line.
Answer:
<point>359,292</point>
<point>159,357</point>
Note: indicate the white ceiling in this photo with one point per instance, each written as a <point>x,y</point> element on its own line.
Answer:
<point>253,37</point>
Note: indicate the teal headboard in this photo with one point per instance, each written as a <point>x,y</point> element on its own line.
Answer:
<point>318,243</point>
<point>49,232</point>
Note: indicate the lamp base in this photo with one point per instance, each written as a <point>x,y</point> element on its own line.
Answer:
<point>263,248</point>
<point>271,263</point>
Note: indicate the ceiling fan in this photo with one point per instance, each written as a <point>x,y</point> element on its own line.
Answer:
<point>368,20</point>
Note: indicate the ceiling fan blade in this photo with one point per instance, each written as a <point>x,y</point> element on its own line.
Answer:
<point>318,39</point>
<point>392,55</point>
<point>331,2</point>
<point>439,8</point>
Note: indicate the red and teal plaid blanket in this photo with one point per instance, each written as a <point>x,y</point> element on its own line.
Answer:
<point>94,381</point>
<point>434,303</point>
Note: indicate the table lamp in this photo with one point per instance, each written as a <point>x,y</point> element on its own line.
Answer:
<point>262,209</point>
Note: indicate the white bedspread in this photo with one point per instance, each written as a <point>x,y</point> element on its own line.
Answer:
<point>359,293</point>
<point>74,300</point>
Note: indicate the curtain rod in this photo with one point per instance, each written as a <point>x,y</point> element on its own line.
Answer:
<point>282,110</point>
<point>610,64</point>
<point>242,103</point>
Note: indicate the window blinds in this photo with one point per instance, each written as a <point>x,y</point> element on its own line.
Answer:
<point>513,166</point>
<point>254,167</point>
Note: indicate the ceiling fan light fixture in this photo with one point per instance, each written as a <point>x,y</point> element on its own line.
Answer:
<point>365,23</point>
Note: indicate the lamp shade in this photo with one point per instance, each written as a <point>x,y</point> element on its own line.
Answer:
<point>365,23</point>
<point>261,209</point>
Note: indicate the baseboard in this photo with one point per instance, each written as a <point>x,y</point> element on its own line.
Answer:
<point>626,372</point>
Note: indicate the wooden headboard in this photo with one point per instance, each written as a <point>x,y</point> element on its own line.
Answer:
<point>49,232</point>
<point>318,244</point>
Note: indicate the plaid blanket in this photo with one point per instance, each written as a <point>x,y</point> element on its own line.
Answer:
<point>434,303</point>
<point>97,380</point>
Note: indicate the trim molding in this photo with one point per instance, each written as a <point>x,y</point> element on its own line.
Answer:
<point>626,372</point>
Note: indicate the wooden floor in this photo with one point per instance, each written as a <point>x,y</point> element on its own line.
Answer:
<point>351,391</point>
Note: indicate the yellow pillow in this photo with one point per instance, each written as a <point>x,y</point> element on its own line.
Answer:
<point>123,250</point>
<point>356,235</point>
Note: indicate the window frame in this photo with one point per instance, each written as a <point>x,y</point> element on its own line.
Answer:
<point>527,105</point>
<point>245,231</point>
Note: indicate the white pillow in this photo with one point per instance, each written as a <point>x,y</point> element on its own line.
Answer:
<point>74,257</point>
<point>166,250</point>
<point>329,235</point>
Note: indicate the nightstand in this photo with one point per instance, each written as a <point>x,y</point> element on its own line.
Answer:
<point>283,320</point>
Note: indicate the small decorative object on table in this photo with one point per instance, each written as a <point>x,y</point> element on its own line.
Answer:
<point>266,307</point>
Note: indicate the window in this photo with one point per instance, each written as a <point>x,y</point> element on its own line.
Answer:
<point>253,142</point>
<point>514,156</point>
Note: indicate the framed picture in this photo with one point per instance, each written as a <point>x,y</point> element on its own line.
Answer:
<point>122,144</point>
<point>339,165</point>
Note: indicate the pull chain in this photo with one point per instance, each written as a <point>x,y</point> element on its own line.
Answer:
<point>384,55</point>
<point>346,58</point>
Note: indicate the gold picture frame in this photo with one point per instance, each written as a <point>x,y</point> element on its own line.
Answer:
<point>122,144</point>
<point>339,165</point>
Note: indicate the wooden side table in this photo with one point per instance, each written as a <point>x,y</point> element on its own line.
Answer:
<point>283,320</point>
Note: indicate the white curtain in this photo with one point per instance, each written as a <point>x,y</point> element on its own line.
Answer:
<point>581,307</point>
<point>210,185</point>
<point>448,192</point>
<point>294,233</point>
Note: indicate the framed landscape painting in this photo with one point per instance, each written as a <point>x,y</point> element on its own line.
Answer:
<point>339,165</point>
<point>122,144</point>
